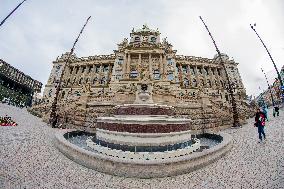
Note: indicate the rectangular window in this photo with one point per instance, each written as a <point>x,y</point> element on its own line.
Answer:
<point>206,71</point>
<point>156,75</point>
<point>218,71</point>
<point>199,70</point>
<point>120,61</point>
<point>169,61</point>
<point>97,69</point>
<point>184,70</point>
<point>134,74</point>
<point>192,71</point>
<point>83,69</point>
<point>90,69</point>
<point>171,76</point>
<point>118,76</point>
<point>105,68</point>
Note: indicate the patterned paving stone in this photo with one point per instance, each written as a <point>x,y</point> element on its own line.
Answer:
<point>28,159</point>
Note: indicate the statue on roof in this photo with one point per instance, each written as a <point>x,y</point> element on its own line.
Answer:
<point>145,27</point>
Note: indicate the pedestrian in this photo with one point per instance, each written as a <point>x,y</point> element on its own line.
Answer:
<point>260,123</point>
<point>276,111</point>
<point>264,110</point>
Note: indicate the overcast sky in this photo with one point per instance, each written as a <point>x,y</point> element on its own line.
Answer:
<point>41,30</point>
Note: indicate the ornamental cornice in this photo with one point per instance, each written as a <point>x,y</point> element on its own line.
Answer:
<point>193,58</point>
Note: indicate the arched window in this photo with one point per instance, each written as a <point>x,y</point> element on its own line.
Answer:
<point>74,81</point>
<point>87,80</point>
<point>68,81</point>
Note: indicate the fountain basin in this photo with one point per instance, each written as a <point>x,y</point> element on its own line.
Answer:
<point>143,168</point>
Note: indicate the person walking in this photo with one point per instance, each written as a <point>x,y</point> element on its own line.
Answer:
<point>264,110</point>
<point>276,111</point>
<point>260,123</point>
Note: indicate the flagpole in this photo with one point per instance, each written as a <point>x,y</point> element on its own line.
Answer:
<point>236,122</point>
<point>269,88</point>
<point>53,114</point>
<point>2,22</point>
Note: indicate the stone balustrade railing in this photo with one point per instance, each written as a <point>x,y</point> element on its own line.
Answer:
<point>194,58</point>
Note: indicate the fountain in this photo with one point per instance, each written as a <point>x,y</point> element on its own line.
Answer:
<point>142,140</point>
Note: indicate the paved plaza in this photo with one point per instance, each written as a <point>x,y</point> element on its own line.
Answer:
<point>28,159</point>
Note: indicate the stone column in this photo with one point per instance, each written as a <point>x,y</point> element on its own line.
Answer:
<point>150,67</point>
<point>161,67</point>
<point>124,65</point>
<point>180,75</point>
<point>164,66</point>
<point>204,76</point>
<point>128,65</point>
<point>211,77</point>
<point>100,73</point>
<point>109,73</point>
<point>188,75</point>
<point>139,64</point>
<point>80,70</point>
<point>223,76</point>
<point>197,76</point>
<point>93,73</point>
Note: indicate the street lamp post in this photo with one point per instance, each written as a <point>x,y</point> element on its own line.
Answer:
<point>53,114</point>
<point>278,74</point>
<point>236,122</point>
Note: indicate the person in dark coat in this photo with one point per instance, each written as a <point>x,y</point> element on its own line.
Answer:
<point>276,111</point>
<point>260,123</point>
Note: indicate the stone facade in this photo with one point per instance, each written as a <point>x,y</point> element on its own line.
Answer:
<point>194,86</point>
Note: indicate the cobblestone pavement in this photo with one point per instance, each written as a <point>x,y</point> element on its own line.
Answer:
<point>28,159</point>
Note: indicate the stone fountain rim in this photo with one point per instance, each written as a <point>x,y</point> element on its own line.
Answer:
<point>144,169</point>
<point>61,143</point>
